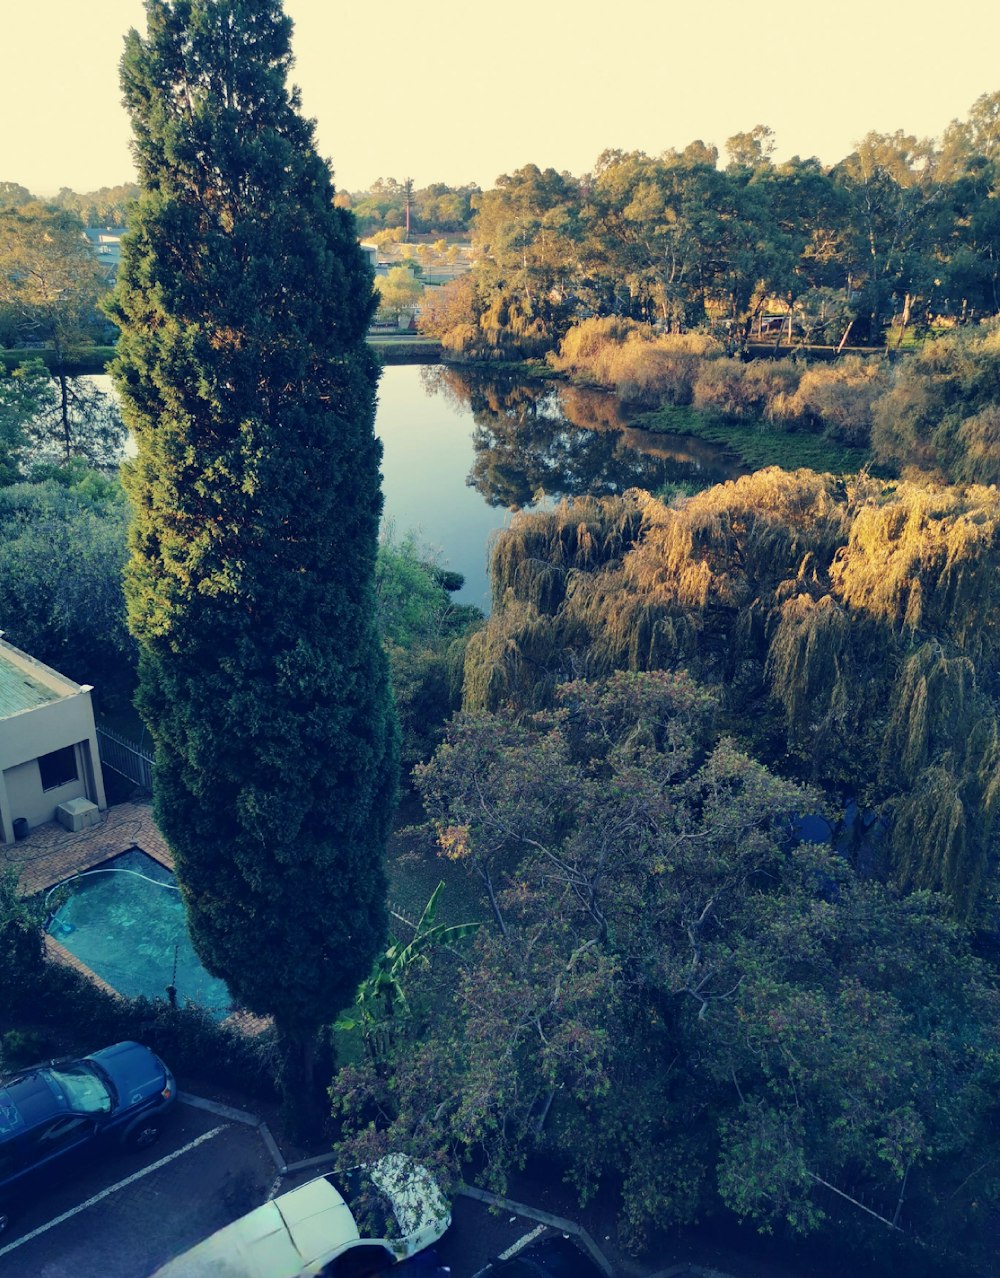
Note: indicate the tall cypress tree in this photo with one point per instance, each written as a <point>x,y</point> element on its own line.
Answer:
<point>243,300</point>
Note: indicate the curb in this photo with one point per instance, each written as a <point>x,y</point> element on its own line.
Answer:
<point>543,1218</point>
<point>238,1116</point>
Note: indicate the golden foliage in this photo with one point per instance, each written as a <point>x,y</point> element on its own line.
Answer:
<point>642,366</point>
<point>930,713</point>
<point>809,662</point>
<point>925,559</point>
<point>866,613</point>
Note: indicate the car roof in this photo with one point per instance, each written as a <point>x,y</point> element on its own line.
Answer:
<point>276,1240</point>
<point>26,1101</point>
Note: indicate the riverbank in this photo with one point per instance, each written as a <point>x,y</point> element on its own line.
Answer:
<point>755,443</point>
<point>394,348</point>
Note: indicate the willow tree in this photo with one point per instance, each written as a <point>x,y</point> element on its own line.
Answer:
<point>244,300</point>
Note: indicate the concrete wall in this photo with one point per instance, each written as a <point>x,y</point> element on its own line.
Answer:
<point>26,736</point>
<point>26,798</point>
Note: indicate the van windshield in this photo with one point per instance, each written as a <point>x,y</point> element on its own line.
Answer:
<point>370,1207</point>
<point>80,1086</point>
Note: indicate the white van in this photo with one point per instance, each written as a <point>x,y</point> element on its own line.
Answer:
<point>312,1231</point>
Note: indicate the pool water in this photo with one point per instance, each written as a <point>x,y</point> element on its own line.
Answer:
<point>126,921</point>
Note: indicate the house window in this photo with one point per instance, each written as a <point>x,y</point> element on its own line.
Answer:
<point>58,768</point>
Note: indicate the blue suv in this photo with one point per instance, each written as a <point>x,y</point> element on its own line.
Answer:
<point>57,1115</point>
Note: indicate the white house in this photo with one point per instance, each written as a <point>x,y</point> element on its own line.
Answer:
<point>48,746</point>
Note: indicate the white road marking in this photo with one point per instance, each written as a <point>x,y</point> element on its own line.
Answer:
<point>512,1250</point>
<point>113,1189</point>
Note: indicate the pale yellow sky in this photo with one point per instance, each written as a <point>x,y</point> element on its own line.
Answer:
<point>459,91</point>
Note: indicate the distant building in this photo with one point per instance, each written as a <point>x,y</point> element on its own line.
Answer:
<point>371,252</point>
<point>106,241</point>
<point>48,747</point>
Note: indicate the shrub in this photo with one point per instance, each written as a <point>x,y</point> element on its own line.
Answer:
<point>21,953</point>
<point>644,368</point>
<point>940,413</point>
<point>188,1038</point>
<point>840,397</point>
<point>760,390</point>
<point>20,1048</point>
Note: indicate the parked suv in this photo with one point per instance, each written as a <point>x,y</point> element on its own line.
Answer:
<point>55,1116</point>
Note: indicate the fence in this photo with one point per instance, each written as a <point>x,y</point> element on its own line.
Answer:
<point>125,757</point>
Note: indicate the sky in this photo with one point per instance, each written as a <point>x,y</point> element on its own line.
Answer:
<point>460,91</point>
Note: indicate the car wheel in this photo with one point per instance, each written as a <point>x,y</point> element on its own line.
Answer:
<point>142,1135</point>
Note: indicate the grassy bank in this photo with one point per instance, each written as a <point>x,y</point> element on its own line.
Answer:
<point>757,444</point>
<point>91,361</point>
<point>399,349</point>
<point>392,349</point>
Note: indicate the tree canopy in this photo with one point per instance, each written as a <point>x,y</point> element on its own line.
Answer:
<point>672,990</point>
<point>845,623</point>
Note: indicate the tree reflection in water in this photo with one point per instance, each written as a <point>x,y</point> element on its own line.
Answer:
<point>537,440</point>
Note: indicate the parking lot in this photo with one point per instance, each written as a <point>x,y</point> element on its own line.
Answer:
<point>130,1213</point>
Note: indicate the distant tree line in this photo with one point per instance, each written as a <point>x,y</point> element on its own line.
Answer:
<point>107,206</point>
<point>901,230</point>
<point>389,204</point>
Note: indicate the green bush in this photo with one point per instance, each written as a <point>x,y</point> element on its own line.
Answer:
<point>188,1038</point>
<point>21,951</point>
<point>19,1048</point>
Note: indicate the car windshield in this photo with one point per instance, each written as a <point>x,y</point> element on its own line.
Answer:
<point>79,1084</point>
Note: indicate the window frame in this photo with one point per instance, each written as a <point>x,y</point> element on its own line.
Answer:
<point>58,758</point>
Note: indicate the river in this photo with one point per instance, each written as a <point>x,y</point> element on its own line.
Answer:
<point>464,449</point>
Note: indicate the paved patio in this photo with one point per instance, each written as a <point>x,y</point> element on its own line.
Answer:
<point>50,854</point>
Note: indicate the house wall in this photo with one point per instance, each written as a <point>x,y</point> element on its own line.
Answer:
<point>26,736</point>
<point>27,798</point>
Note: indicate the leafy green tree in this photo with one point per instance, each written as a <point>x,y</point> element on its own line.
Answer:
<point>644,253</point>
<point>62,552</point>
<point>13,195</point>
<point>243,300</point>
<point>51,280</point>
<point>397,291</point>
<point>22,394</point>
<point>714,1014</point>
<point>751,149</point>
<point>525,235</point>
<point>22,954</point>
<point>891,204</point>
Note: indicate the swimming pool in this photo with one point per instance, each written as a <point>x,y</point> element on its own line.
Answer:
<point>125,920</point>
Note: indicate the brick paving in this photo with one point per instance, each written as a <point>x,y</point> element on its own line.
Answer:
<point>50,854</point>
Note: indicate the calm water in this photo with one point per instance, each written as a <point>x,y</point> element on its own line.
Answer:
<point>133,932</point>
<point>463,450</point>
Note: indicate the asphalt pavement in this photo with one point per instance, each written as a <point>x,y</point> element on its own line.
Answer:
<point>129,1214</point>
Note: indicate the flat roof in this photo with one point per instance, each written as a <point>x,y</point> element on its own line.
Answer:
<point>26,683</point>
